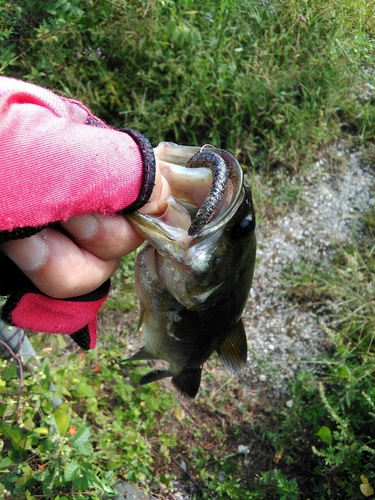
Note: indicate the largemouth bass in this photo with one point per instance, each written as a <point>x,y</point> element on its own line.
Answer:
<point>194,275</point>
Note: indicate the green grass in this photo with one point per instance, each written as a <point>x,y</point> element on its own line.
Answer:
<point>271,81</point>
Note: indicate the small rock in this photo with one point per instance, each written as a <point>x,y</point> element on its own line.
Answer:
<point>242,449</point>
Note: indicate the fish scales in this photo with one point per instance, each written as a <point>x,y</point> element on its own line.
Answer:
<point>193,288</point>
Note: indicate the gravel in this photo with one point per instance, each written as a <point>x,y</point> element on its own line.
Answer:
<point>282,336</point>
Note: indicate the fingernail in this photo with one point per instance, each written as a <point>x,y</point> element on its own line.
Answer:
<point>29,254</point>
<point>83,227</point>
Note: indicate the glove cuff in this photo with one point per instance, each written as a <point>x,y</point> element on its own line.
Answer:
<point>149,170</point>
<point>28,308</point>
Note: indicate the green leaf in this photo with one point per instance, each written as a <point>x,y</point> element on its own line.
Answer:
<point>25,443</point>
<point>80,481</point>
<point>5,462</point>
<point>131,476</point>
<point>62,418</point>
<point>80,441</point>
<point>79,475</point>
<point>45,367</point>
<point>325,434</point>
<point>343,372</point>
<point>14,434</point>
<point>27,470</point>
<point>70,470</point>
<point>61,341</point>
<point>46,379</point>
<point>9,372</point>
<point>81,436</point>
<point>21,481</point>
<point>28,424</point>
<point>84,390</point>
<point>85,449</point>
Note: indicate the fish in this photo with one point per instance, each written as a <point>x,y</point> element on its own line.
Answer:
<point>194,275</point>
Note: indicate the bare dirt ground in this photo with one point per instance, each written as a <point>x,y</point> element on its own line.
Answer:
<point>330,203</point>
<point>329,199</point>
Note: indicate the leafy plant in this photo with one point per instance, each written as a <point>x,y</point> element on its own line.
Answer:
<point>271,81</point>
<point>70,448</point>
<point>42,450</point>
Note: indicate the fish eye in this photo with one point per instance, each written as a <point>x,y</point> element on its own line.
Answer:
<point>244,227</point>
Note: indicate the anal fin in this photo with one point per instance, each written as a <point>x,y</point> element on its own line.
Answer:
<point>233,351</point>
<point>187,383</point>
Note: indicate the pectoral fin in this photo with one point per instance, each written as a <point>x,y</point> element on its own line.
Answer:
<point>140,321</point>
<point>187,383</point>
<point>233,351</point>
<point>143,353</point>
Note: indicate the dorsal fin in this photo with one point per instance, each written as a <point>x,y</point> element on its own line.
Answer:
<point>143,353</point>
<point>187,383</point>
<point>233,351</point>
<point>154,376</point>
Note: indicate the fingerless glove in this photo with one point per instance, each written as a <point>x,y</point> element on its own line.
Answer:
<point>57,160</point>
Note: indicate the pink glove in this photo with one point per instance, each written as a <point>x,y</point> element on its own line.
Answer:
<point>58,161</point>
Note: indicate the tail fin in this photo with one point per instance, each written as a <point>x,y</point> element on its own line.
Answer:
<point>187,383</point>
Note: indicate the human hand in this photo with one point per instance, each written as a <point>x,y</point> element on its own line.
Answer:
<point>59,162</point>
<point>78,260</point>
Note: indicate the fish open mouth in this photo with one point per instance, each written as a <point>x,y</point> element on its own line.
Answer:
<point>207,181</point>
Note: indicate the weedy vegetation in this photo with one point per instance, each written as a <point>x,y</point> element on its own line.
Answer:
<point>276,82</point>
<point>271,81</point>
